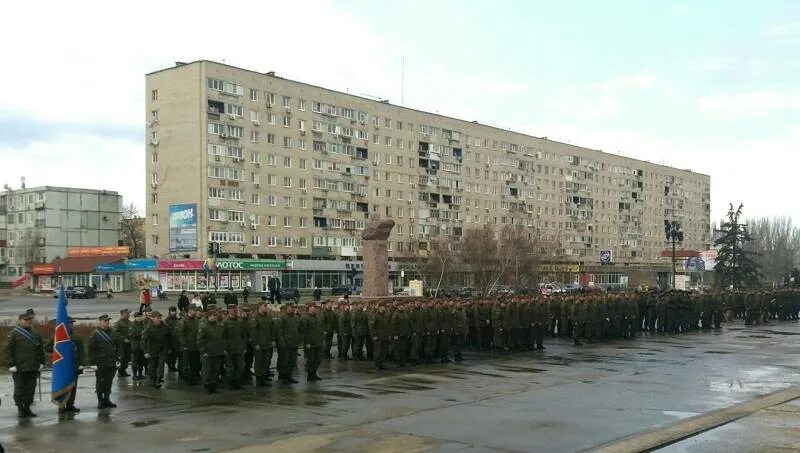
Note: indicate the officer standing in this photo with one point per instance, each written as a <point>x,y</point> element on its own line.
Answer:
<point>172,323</point>
<point>263,341</point>
<point>122,332</point>
<point>212,351</point>
<point>25,356</point>
<point>103,355</point>
<point>187,337</point>
<point>137,355</point>
<point>77,359</point>
<point>381,330</point>
<point>156,344</point>
<point>288,335</point>
<point>234,342</point>
<point>313,338</point>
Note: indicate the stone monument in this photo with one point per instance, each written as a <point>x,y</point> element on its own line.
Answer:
<point>375,252</point>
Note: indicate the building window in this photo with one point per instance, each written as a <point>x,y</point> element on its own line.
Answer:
<point>255,240</point>
<point>154,197</point>
<point>287,142</point>
<point>154,95</point>
<point>254,116</point>
<point>254,136</point>
<point>253,94</point>
<point>271,139</point>
<point>303,222</point>
<point>287,121</point>
<point>154,116</point>
<point>155,219</point>
<point>287,222</point>
<point>301,144</point>
<point>301,104</point>
<point>155,157</point>
<point>272,241</point>
<point>287,181</point>
<point>255,199</point>
<point>155,239</point>
<point>270,99</point>
<point>287,101</point>
<point>301,124</point>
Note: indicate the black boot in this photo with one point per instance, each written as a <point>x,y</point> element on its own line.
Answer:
<point>122,373</point>
<point>21,412</point>
<point>109,403</point>
<point>101,402</point>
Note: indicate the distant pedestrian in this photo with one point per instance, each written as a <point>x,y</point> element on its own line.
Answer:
<point>317,294</point>
<point>183,302</point>
<point>144,300</point>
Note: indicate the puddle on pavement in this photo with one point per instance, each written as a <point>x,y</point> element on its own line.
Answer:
<point>519,369</point>
<point>717,352</point>
<point>779,332</point>
<point>337,394</point>
<point>679,414</point>
<point>145,423</point>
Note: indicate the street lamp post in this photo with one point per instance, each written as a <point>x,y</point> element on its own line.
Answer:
<point>672,230</point>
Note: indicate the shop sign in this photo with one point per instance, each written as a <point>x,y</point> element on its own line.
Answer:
<point>43,269</point>
<point>98,251</point>
<point>142,264</point>
<point>180,265</point>
<point>113,267</point>
<point>250,265</point>
<point>567,268</point>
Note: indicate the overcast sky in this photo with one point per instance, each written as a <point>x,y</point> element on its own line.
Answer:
<point>710,86</point>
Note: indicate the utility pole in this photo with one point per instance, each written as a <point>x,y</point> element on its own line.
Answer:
<point>672,230</point>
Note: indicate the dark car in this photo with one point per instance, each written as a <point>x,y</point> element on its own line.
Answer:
<point>80,292</point>
<point>290,294</point>
<point>341,290</point>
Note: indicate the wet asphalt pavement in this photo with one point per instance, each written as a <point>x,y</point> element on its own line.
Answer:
<point>562,399</point>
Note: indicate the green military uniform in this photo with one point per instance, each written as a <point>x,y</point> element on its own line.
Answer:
<point>25,356</point>
<point>78,359</point>
<point>263,339</point>
<point>360,324</point>
<point>289,338</point>
<point>460,331</point>
<point>234,336</point>
<point>499,326</point>
<point>380,328</point>
<point>401,331</point>
<point>431,334</point>
<point>190,354</point>
<point>331,323</point>
<point>156,345</point>
<point>345,329</point>
<point>210,343</point>
<point>122,332</point>
<point>137,355</point>
<point>417,319</point>
<point>313,331</point>
<point>172,321</point>
<point>103,354</point>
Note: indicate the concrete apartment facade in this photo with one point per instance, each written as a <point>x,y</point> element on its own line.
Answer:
<point>286,170</point>
<point>38,224</point>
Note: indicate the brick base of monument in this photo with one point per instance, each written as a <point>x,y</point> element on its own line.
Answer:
<point>376,267</point>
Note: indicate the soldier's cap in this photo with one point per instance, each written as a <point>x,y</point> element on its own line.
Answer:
<point>231,307</point>
<point>155,314</point>
<point>30,312</point>
<point>103,318</point>
<point>124,311</point>
<point>26,316</point>
<point>173,308</point>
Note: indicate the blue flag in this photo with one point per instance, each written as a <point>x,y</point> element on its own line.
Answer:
<point>64,372</point>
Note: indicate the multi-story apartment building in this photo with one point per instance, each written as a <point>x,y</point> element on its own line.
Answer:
<point>283,169</point>
<point>37,225</point>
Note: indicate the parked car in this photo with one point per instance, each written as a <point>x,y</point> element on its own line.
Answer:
<point>341,290</point>
<point>290,294</point>
<point>572,288</point>
<point>80,292</point>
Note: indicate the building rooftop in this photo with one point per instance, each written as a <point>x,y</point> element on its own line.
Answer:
<point>386,102</point>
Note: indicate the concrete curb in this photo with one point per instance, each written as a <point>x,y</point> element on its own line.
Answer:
<point>684,429</point>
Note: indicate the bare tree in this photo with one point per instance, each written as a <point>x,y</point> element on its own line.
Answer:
<point>479,252</point>
<point>132,226</point>
<point>522,246</point>
<point>442,261</point>
<point>776,242</point>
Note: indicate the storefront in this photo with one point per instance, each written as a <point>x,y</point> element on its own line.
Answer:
<point>82,270</point>
<point>208,275</point>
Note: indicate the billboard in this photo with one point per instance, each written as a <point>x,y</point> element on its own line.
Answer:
<point>183,227</point>
<point>606,256</point>
<point>97,251</point>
